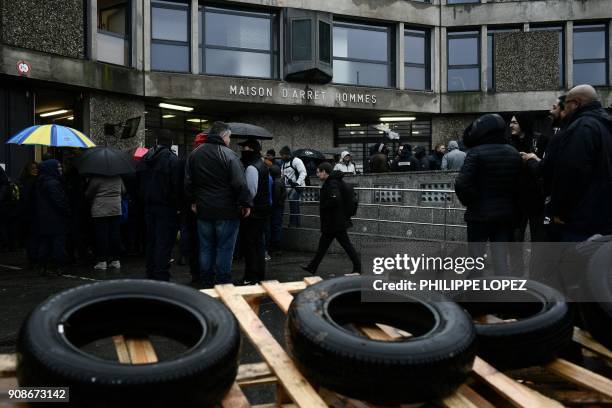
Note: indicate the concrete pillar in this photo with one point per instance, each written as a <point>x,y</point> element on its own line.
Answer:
<point>400,53</point>
<point>484,61</point>
<point>569,54</point>
<point>281,45</point>
<point>137,35</point>
<point>526,27</point>
<point>195,37</point>
<point>146,29</point>
<point>92,29</point>
<point>443,61</point>
<point>609,53</point>
<point>436,46</point>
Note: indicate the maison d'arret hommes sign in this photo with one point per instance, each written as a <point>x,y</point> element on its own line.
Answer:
<point>307,94</point>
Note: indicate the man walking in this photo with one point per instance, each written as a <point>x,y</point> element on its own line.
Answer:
<point>161,184</point>
<point>335,217</point>
<point>252,229</point>
<point>216,187</point>
<point>454,158</point>
<point>294,173</point>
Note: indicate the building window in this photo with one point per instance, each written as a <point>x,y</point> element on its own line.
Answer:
<point>491,53</point>
<point>363,55</point>
<point>417,57</point>
<point>461,1</point>
<point>560,31</point>
<point>590,54</point>
<point>324,42</point>
<point>463,50</point>
<point>170,33</point>
<point>113,37</point>
<point>238,43</point>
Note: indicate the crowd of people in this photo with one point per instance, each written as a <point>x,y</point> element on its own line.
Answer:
<point>221,204</point>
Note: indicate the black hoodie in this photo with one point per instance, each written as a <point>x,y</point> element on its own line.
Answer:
<point>161,179</point>
<point>332,210</point>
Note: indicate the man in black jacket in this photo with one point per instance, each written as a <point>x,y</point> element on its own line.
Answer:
<point>252,228</point>
<point>161,184</point>
<point>216,187</point>
<point>580,172</point>
<point>487,186</point>
<point>405,161</point>
<point>334,217</point>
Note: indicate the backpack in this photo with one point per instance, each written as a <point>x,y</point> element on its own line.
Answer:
<point>306,180</point>
<point>350,199</point>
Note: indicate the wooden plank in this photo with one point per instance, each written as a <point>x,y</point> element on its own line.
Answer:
<point>516,393</point>
<point>298,388</point>
<point>475,398</point>
<point>254,302</point>
<point>123,354</point>
<point>235,398</point>
<point>458,400</point>
<point>279,294</point>
<point>257,290</point>
<point>579,397</point>
<point>255,374</point>
<point>274,406</point>
<point>8,365</point>
<point>311,280</point>
<point>141,351</point>
<point>581,376</point>
<point>585,340</point>
<point>335,400</point>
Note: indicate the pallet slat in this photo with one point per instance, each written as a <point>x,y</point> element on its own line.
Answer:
<point>300,391</point>
<point>585,340</point>
<point>235,398</point>
<point>141,351</point>
<point>581,376</point>
<point>257,290</point>
<point>8,365</point>
<point>123,354</point>
<point>279,294</point>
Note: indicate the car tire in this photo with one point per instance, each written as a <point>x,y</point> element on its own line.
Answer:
<point>542,330</point>
<point>49,341</point>
<point>597,315</point>
<point>427,366</point>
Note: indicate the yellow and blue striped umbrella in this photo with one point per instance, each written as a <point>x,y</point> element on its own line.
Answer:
<point>52,135</point>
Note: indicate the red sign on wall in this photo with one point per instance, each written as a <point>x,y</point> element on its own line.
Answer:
<point>23,68</point>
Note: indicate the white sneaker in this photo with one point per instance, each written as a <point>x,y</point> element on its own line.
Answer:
<point>115,264</point>
<point>100,266</point>
<point>268,257</point>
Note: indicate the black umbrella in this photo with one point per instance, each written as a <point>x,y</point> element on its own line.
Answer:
<point>309,154</point>
<point>104,161</point>
<point>245,130</point>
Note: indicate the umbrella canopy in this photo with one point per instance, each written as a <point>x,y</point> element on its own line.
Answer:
<point>105,161</point>
<point>245,130</point>
<point>309,154</point>
<point>52,135</point>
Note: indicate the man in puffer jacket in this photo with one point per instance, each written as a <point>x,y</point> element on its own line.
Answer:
<point>486,185</point>
<point>453,160</point>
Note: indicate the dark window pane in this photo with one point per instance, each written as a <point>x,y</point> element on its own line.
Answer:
<point>170,24</point>
<point>166,57</point>
<point>361,73</point>
<point>463,79</point>
<point>239,63</point>
<point>462,51</point>
<point>414,49</point>
<point>301,45</point>
<point>589,45</point>
<point>356,43</point>
<point>237,31</point>
<point>324,42</point>
<point>590,73</point>
<point>112,17</point>
<point>415,78</point>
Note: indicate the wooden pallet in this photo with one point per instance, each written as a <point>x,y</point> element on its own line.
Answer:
<point>293,390</point>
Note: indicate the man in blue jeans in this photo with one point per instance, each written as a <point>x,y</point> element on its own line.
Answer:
<point>215,185</point>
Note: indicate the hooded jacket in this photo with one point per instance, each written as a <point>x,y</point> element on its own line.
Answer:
<point>420,153</point>
<point>405,161</point>
<point>161,178</point>
<point>486,184</point>
<point>332,208</point>
<point>215,181</point>
<point>453,160</point>
<point>52,206</point>
<point>105,196</point>
<point>342,166</point>
<point>580,179</point>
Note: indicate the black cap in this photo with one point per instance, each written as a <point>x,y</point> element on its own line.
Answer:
<point>251,143</point>
<point>271,152</point>
<point>285,150</point>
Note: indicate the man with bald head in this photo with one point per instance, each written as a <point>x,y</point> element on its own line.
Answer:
<point>581,174</point>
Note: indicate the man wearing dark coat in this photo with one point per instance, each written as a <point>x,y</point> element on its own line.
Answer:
<point>334,218</point>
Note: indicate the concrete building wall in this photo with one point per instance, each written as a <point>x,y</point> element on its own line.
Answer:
<point>449,127</point>
<point>526,61</point>
<point>111,108</point>
<point>51,26</point>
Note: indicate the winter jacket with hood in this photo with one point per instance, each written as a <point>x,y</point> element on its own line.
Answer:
<point>581,176</point>
<point>453,160</point>
<point>332,208</point>
<point>215,181</point>
<point>420,153</point>
<point>343,167</point>
<point>486,184</point>
<point>52,206</point>
<point>406,161</point>
<point>105,196</point>
<point>161,178</point>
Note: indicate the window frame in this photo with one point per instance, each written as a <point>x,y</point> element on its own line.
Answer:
<point>391,57</point>
<point>178,5</point>
<point>273,51</point>
<point>559,28</point>
<point>426,34</point>
<point>128,30</point>
<point>592,27</point>
<point>464,34</point>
